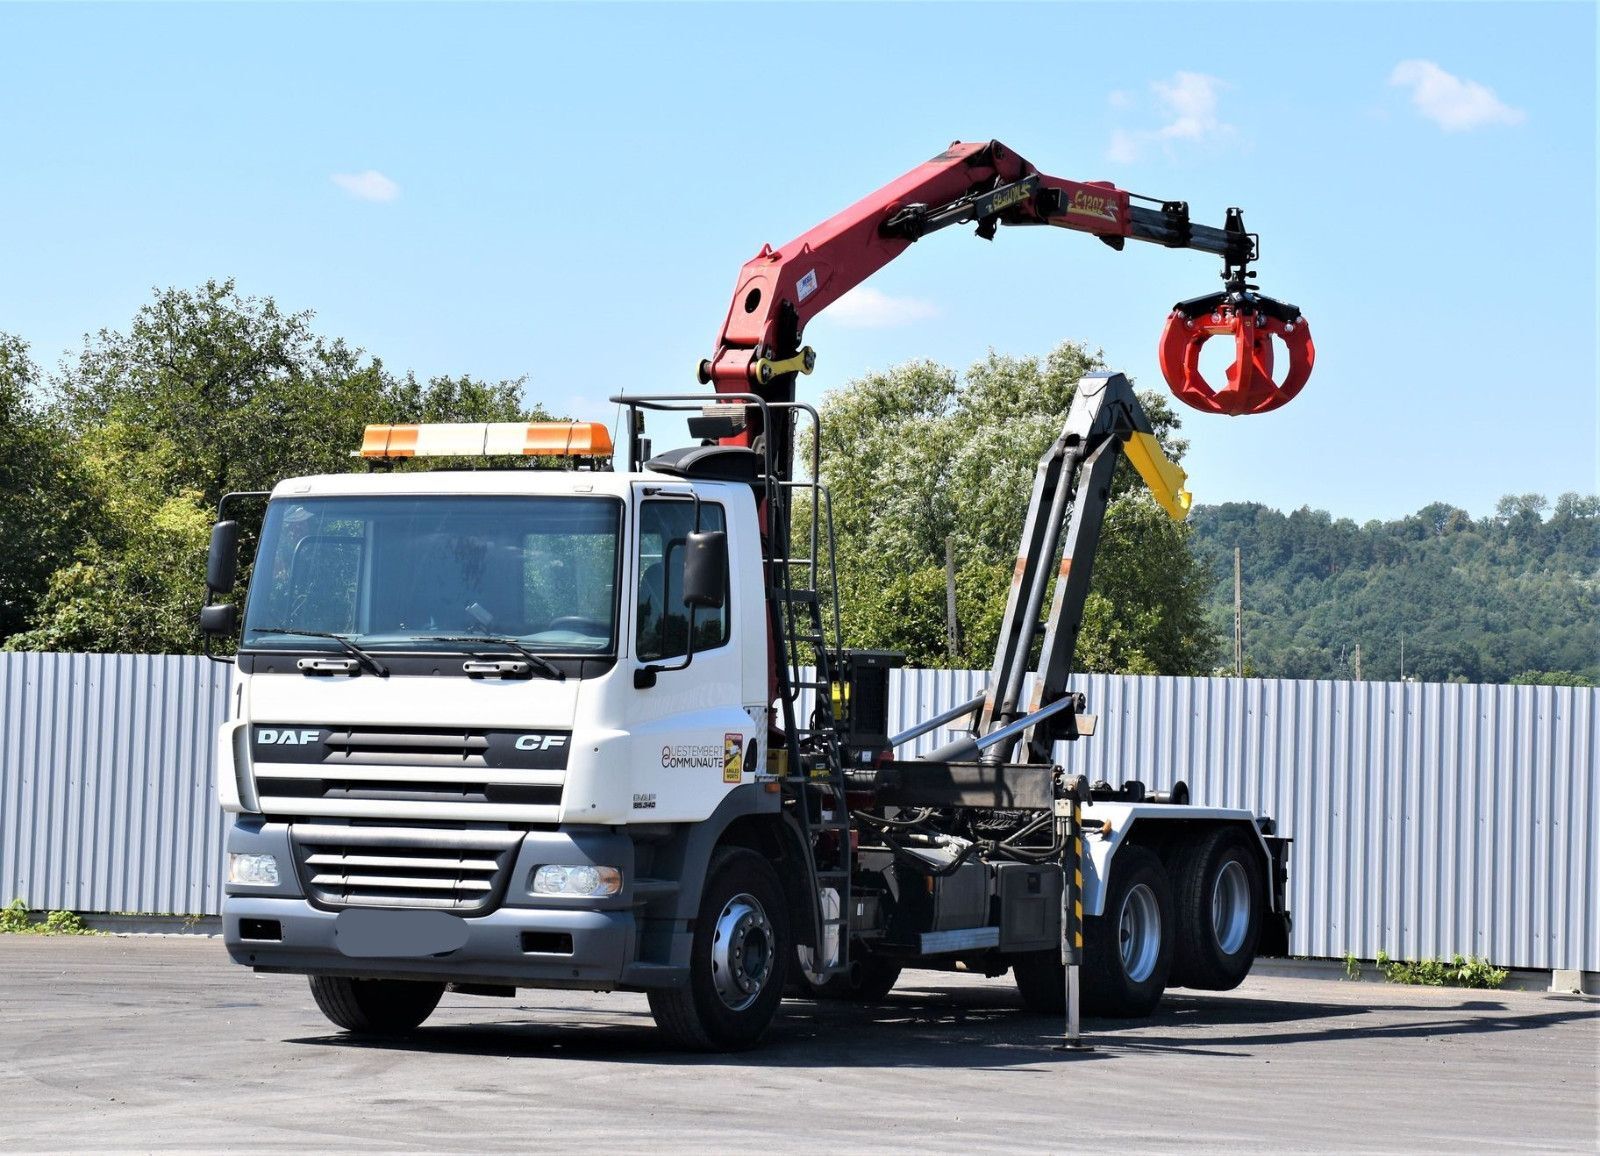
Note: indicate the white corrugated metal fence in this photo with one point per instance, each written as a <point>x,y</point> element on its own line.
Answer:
<point>106,801</point>
<point>1428,819</point>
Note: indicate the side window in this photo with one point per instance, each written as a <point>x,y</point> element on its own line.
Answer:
<point>663,619</point>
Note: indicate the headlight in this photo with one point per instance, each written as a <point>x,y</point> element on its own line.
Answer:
<point>552,879</point>
<point>253,870</point>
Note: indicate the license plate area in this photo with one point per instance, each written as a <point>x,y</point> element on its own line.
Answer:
<point>378,934</point>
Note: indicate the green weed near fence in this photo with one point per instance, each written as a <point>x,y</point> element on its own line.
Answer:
<point>14,920</point>
<point>1457,972</point>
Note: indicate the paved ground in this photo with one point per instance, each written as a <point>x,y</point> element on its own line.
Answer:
<point>160,1043</point>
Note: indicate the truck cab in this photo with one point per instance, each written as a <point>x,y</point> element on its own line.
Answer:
<point>478,735</point>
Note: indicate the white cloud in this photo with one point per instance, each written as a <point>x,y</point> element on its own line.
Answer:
<point>1124,148</point>
<point>370,185</point>
<point>1188,102</point>
<point>867,308</point>
<point>1190,99</point>
<point>1452,103</point>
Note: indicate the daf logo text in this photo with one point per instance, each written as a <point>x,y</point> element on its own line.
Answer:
<point>271,737</point>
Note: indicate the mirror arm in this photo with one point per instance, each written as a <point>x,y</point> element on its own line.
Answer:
<point>223,658</point>
<point>645,677</point>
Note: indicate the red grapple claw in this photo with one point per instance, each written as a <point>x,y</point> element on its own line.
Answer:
<point>1250,386</point>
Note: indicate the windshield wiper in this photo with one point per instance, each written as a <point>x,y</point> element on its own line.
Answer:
<point>361,656</point>
<point>538,661</point>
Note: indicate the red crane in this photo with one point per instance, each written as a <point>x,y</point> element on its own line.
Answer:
<point>989,185</point>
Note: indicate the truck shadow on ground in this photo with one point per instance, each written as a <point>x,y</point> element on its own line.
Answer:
<point>961,1027</point>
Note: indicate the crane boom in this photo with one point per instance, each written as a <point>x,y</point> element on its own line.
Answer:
<point>780,290</point>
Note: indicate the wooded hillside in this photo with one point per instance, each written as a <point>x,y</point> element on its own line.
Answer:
<point>1508,597</point>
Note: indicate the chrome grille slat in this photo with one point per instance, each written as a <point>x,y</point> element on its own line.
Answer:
<point>401,883</point>
<point>397,861</point>
<point>510,777</point>
<point>326,834</point>
<point>464,740</point>
<point>389,757</point>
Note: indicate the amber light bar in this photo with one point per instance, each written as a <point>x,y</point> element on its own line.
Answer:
<point>541,439</point>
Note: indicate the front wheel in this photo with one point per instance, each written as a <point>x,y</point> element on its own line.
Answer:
<point>737,963</point>
<point>378,1007</point>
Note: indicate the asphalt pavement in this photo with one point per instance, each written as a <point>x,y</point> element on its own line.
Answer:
<point>160,1043</point>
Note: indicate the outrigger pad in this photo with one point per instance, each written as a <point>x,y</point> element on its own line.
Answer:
<point>1253,322</point>
<point>712,464</point>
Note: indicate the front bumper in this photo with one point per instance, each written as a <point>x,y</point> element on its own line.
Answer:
<point>525,941</point>
<point>602,945</point>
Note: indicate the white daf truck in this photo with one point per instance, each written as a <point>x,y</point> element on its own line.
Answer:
<point>594,727</point>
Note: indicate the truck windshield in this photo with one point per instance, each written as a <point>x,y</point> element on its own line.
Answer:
<point>389,570</point>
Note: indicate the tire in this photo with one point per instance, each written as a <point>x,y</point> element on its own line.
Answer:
<point>1109,989</point>
<point>1041,981</point>
<point>377,1007</point>
<point>870,978</point>
<point>1127,951</point>
<point>1220,893</point>
<point>738,962</point>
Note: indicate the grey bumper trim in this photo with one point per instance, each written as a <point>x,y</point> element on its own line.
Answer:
<point>601,958</point>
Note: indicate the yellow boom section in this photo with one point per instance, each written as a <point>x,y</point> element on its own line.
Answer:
<point>1164,476</point>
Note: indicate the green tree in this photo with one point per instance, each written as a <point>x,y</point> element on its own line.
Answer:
<point>227,392</point>
<point>134,586</point>
<point>43,506</point>
<point>920,453</point>
<point>206,392</point>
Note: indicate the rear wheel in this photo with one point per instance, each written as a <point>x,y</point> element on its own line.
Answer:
<point>1127,951</point>
<point>738,960</point>
<point>1221,897</point>
<point>375,1006</point>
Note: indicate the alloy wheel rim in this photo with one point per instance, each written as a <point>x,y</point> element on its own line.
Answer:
<point>742,952</point>
<point>1230,907</point>
<point>1139,932</point>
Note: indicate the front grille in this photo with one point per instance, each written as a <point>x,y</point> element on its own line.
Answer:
<point>454,870</point>
<point>410,774</point>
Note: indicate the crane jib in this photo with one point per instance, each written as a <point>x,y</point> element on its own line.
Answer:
<point>987,184</point>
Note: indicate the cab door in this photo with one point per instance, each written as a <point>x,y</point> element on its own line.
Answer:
<point>690,728</point>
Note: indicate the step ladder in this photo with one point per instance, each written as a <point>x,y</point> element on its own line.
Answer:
<point>803,596</point>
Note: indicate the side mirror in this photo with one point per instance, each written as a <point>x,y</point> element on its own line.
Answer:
<point>705,569</point>
<point>222,561</point>
<point>221,618</point>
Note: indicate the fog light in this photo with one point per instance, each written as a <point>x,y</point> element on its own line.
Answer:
<point>253,870</point>
<point>553,879</point>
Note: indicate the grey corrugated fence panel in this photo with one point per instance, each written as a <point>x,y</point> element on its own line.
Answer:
<point>1428,819</point>
<point>106,801</point>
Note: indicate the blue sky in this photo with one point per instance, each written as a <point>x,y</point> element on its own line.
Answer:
<point>568,192</point>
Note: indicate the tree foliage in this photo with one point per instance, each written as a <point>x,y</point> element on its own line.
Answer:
<point>920,453</point>
<point>118,476</point>
<point>1512,597</point>
<point>42,505</point>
